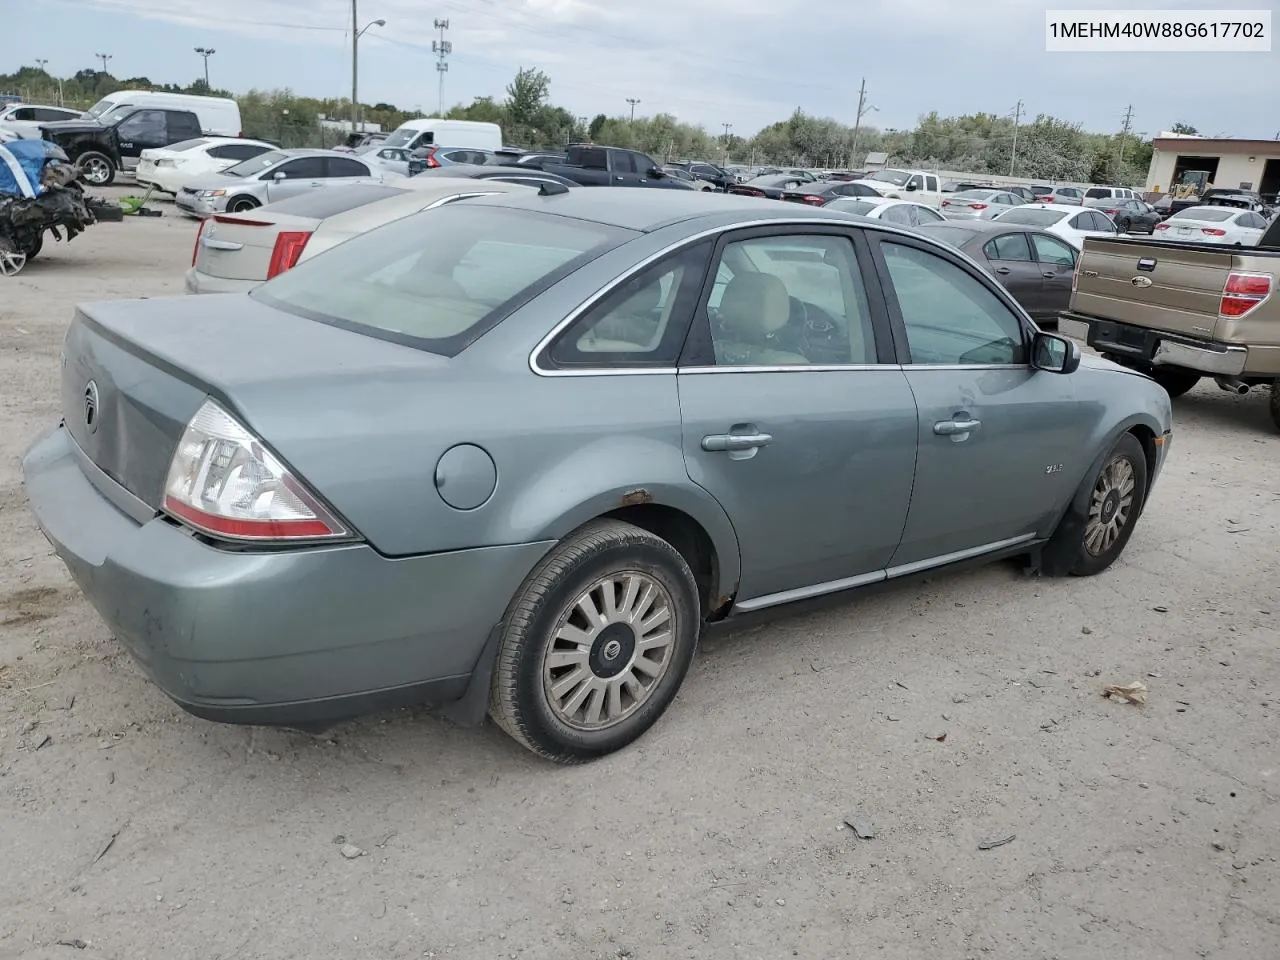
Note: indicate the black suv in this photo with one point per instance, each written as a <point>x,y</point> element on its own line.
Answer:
<point>103,149</point>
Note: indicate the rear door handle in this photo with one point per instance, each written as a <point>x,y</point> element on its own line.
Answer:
<point>950,428</point>
<point>717,443</point>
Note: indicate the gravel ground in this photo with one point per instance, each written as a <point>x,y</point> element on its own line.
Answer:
<point>135,831</point>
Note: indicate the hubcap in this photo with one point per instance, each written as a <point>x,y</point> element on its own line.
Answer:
<point>611,648</point>
<point>95,171</point>
<point>1110,506</point>
<point>11,261</point>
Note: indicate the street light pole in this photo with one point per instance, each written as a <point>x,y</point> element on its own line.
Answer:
<point>863,108</point>
<point>356,32</point>
<point>633,101</point>
<point>206,52</point>
<point>104,57</point>
<point>441,48</point>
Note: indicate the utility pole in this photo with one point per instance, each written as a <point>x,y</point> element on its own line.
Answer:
<point>1124,135</point>
<point>1013,154</point>
<point>441,48</point>
<point>104,57</point>
<point>206,52</point>
<point>42,64</point>
<point>863,109</point>
<point>633,101</point>
<point>727,128</point>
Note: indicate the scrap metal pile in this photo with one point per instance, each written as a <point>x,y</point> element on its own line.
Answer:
<point>39,191</point>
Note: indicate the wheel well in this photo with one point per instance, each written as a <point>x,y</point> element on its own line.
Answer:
<point>1147,437</point>
<point>243,198</point>
<point>687,536</point>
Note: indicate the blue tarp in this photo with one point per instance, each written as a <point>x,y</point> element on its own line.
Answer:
<point>20,164</point>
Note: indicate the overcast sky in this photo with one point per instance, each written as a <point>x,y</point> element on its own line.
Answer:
<point>745,62</point>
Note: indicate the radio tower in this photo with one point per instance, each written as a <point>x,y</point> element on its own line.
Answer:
<point>441,48</point>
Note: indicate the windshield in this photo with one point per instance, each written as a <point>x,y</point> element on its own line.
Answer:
<point>101,107</point>
<point>857,207</point>
<point>975,194</point>
<point>1032,217</point>
<point>187,145</point>
<point>116,112</point>
<point>437,280</point>
<point>402,137</point>
<point>896,177</point>
<point>1207,214</point>
<point>255,165</point>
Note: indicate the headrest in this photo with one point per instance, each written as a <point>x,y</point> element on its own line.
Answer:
<point>753,306</point>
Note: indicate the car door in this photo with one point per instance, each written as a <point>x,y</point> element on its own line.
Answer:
<point>1000,444</point>
<point>141,130</point>
<point>1057,263</point>
<point>294,177</point>
<point>795,418</point>
<point>622,169</point>
<point>1014,265</point>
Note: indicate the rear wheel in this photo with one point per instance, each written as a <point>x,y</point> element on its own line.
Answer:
<point>1275,403</point>
<point>34,247</point>
<point>1091,536</point>
<point>242,204</point>
<point>96,168</point>
<point>596,643</point>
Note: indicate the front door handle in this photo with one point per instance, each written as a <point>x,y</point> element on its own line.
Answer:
<point>717,443</point>
<point>1002,269</point>
<point>1048,274</point>
<point>950,428</point>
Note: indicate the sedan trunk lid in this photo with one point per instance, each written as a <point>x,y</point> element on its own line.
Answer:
<point>239,246</point>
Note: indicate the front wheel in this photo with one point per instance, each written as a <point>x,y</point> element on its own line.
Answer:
<point>12,260</point>
<point>1098,525</point>
<point>596,643</point>
<point>242,204</point>
<point>97,169</point>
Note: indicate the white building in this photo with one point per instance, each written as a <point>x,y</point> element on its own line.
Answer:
<point>1243,164</point>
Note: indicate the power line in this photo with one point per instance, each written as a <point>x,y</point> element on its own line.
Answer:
<point>442,48</point>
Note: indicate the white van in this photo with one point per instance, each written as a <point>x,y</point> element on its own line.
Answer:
<point>445,133</point>
<point>218,116</point>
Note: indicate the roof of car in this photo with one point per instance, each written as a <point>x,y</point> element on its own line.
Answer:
<point>985,226</point>
<point>1061,207</point>
<point>645,210</point>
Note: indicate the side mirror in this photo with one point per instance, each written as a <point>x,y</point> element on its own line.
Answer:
<point>279,175</point>
<point>655,173</point>
<point>911,186</point>
<point>1054,354</point>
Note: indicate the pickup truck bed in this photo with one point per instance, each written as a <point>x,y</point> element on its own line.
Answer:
<point>1180,311</point>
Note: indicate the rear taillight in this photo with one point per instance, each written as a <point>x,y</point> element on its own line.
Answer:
<point>288,248</point>
<point>224,482</point>
<point>1162,226</point>
<point>1048,198</point>
<point>431,158</point>
<point>1213,231</point>
<point>1244,292</point>
<point>195,252</point>
<point>813,200</point>
<point>977,206</point>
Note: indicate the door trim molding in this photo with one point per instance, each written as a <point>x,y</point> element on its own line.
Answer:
<point>877,576</point>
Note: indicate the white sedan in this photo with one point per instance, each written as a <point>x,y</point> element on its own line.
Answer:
<point>171,168</point>
<point>1213,225</point>
<point>903,212</point>
<point>1067,221</point>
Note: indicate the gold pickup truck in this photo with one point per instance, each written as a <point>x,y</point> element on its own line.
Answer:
<point>1181,311</point>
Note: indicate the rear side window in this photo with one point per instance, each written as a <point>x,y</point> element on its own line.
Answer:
<point>1011,246</point>
<point>623,162</point>
<point>237,151</point>
<point>345,167</point>
<point>436,280</point>
<point>329,203</point>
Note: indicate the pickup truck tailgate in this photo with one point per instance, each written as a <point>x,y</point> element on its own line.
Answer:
<point>1163,287</point>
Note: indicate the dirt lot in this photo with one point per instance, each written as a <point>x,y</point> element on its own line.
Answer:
<point>132,830</point>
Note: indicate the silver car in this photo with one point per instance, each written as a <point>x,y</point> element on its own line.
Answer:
<point>978,204</point>
<point>272,176</point>
<point>512,454</point>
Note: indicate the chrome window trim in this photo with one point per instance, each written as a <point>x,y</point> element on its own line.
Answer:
<point>618,281</point>
<point>792,368</point>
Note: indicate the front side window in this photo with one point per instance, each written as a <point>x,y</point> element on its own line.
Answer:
<point>949,316</point>
<point>642,323</point>
<point>304,168</point>
<point>145,125</point>
<point>1052,250</point>
<point>790,300</point>
<point>436,280</point>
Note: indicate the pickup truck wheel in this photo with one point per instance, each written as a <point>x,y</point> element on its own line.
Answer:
<point>1275,403</point>
<point>1101,518</point>
<point>596,643</point>
<point>1175,382</point>
<point>96,168</point>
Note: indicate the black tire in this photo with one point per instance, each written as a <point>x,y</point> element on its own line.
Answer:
<point>519,701</point>
<point>1123,226</point>
<point>241,204</point>
<point>1070,550</point>
<point>1275,403</point>
<point>34,248</point>
<point>1175,381</point>
<point>96,169</point>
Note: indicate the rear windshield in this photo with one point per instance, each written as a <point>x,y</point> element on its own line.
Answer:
<point>329,203</point>
<point>188,144</point>
<point>254,165</point>
<point>859,208</point>
<point>1097,192</point>
<point>403,136</point>
<point>1207,214</point>
<point>439,279</point>
<point>955,236</point>
<point>1032,217</point>
<point>974,194</point>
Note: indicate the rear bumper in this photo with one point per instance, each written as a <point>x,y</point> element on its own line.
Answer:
<point>286,637</point>
<point>197,282</point>
<point>1164,349</point>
